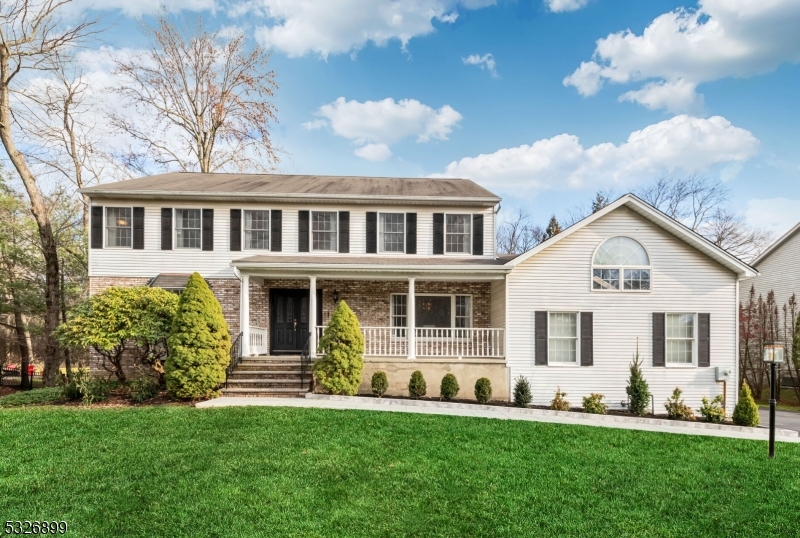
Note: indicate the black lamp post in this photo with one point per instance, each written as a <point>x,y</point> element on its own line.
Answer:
<point>773,354</point>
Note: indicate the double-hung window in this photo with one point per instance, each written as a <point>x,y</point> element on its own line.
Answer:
<point>188,230</point>
<point>680,344</point>
<point>256,230</point>
<point>457,233</point>
<point>323,230</point>
<point>119,227</point>
<point>562,342</point>
<point>392,232</point>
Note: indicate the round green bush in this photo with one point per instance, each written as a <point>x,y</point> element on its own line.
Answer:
<point>449,388</point>
<point>746,411</point>
<point>483,390</point>
<point>417,388</point>
<point>594,404</point>
<point>522,392</point>
<point>380,384</point>
<point>712,411</point>
<point>342,344</point>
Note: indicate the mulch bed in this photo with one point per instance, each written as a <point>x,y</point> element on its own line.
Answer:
<point>5,391</point>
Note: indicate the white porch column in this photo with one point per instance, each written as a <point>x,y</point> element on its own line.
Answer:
<point>244,314</point>
<point>312,316</point>
<point>411,320</point>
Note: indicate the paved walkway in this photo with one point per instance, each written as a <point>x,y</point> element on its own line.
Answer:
<point>506,413</point>
<point>786,420</point>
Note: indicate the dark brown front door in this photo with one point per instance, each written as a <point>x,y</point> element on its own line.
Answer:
<point>289,325</point>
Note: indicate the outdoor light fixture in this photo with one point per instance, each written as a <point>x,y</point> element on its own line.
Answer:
<point>773,354</point>
<point>335,296</point>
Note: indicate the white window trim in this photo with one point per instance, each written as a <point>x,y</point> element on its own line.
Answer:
<point>269,230</point>
<point>452,311</point>
<point>311,231</point>
<point>175,228</point>
<point>694,342</point>
<point>621,269</point>
<point>380,233</point>
<point>577,344</point>
<point>469,241</point>
<point>105,226</point>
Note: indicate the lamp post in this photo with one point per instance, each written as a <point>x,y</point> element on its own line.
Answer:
<point>773,354</point>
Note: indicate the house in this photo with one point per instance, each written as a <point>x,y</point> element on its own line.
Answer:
<point>415,260</point>
<point>778,268</point>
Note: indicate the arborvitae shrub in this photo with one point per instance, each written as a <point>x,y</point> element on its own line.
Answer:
<point>559,403</point>
<point>522,392</point>
<point>342,344</point>
<point>483,390</point>
<point>449,388</point>
<point>380,384</point>
<point>675,407</point>
<point>713,411</point>
<point>594,404</point>
<point>637,389</point>
<point>746,411</point>
<point>417,388</point>
<point>199,344</point>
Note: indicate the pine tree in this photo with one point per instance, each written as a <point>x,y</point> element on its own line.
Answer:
<point>599,202</point>
<point>638,390</point>
<point>339,370</point>
<point>522,392</point>
<point>553,228</point>
<point>199,344</point>
<point>746,411</point>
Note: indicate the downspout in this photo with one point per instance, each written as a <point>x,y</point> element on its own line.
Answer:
<point>498,206</point>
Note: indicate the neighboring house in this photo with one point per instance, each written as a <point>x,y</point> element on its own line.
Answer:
<point>778,268</point>
<point>414,259</point>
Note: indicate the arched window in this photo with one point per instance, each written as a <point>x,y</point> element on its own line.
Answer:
<point>620,259</point>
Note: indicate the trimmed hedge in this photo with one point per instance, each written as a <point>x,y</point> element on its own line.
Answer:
<point>449,387</point>
<point>483,390</point>
<point>417,388</point>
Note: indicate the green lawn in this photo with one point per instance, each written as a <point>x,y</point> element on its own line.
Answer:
<point>179,471</point>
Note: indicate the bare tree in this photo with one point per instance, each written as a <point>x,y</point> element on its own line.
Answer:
<point>728,230</point>
<point>518,235</point>
<point>199,101</point>
<point>31,36</point>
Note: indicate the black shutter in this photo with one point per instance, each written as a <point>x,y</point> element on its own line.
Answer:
<point>477,234</point>
<point>540,328</point>
<point>166,228</point>
<point>344,232</point>
<point>659,341</point>
<point>372,232</point>
<point>208,229</point>
<point>438,233</point>
<point>704,340</point>
<point>302,228</point>
<point>411,233</point>
<point>138,228</point>
<point>236,229</point>
<point>97,226</point>
<point>276,230</point>
<point>587,338</point>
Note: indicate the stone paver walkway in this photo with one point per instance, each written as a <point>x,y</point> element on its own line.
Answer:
<point>506,413</point>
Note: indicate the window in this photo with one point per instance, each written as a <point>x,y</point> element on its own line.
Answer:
<point>188,230</point>
<point>433,311</point>
<point>119,227</point>
<point>399,315</point>
<point>463,311</point>
<point>256,230</point>
<point>457,237</point>
<point>680,338</point>
<point>323,230</point>
<point>392,232</point>
<point>562,345</point>
<point>621,260</point>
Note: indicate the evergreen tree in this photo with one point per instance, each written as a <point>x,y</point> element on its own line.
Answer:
<point>746,411</point>
<point>339,370</point>
<point>638,390</point>
<point>553,228</point>
<point>522,392</point>
<point>600,201</point>
<point>199,344</point>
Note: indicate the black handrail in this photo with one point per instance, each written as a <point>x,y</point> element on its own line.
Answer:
<point>236,357</point>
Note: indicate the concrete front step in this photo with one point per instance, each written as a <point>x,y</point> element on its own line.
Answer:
<point>266,392</point>
<point>284,366</point>
<point>264,383</point>
<point>265,374</point>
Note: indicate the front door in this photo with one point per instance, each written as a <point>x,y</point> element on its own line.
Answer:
<point>289,320</point>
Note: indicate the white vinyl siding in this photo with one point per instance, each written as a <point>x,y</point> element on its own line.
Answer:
<point>778,273</point>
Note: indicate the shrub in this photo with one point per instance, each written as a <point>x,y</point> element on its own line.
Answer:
<point>637,389</point>
<point>416,386</point>
<point>713,411</point>
<point>379,384</point>
<point>94,389</point>
<point>559,403</point>
<point>522,392</point>
<point>43,396</point>
<point>483,390</point>
<point>342,344</point>
<point>746,411</point>
<point>143,388</point>
<point>449,388</point>
<point>676,408</point>
<point>71,384</point>
<point>199,344</point>
<point>594,404</point>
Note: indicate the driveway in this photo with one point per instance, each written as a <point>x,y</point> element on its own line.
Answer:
<point>786,420</point>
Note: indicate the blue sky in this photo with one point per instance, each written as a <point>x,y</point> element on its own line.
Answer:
<point>387,87</point>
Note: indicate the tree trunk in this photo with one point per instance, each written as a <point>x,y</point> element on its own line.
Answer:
<point>67,363</point>
<point>23,339</point>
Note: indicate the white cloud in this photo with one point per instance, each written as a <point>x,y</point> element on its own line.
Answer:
<point>299,27</point>
<point>557,6</point>
<point>385,122</point>
<point>146,7</point>
<point>778,215</point>
<point>683,143</point>
<point>684,48</point>
<point>485,62</point>
<point>374,152</point>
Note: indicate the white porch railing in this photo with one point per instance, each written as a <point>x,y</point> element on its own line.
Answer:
<point>258,340</point>
<point>455,343</point>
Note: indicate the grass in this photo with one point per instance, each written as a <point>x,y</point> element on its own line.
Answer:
<point>787,402</point>
<point>32,397</point>
<point>178,471</point>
